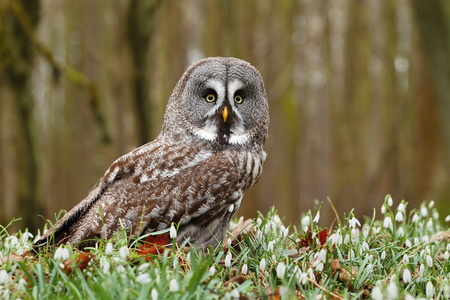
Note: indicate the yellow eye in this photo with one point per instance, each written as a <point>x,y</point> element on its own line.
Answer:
<point>238,99</point>
<point>210,98</point>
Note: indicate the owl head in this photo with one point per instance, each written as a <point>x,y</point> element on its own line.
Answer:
<point>220,101</point>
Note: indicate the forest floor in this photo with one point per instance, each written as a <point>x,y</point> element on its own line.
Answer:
<point>402,255</point>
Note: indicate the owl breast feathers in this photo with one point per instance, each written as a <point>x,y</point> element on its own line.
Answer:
<point>195,173</point>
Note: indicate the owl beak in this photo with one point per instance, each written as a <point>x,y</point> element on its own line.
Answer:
<point>225,113</point>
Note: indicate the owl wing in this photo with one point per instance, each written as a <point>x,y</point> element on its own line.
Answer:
<point>148,159</point>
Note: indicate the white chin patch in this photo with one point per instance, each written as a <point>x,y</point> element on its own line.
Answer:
<point>238,139</point>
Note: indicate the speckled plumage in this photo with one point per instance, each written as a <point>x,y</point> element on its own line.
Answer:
<point>200,165</point>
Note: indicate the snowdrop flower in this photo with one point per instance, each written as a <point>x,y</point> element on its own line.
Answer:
<point>270,246</point>
<point>336,238</point>
<point>429,260</point>
<point>228,259</point>
<point>365,246</point>
<point>284,231</point>
<point>317,217</point>
<point>387,223</point>
<point>402,207</point>
<point>281,269</point>
<point>415,218</point>
<point>4,277</point>
<point>105,265</point>
<point>320,267</point>
<point>390,202</point>
<point>447,218</point>
<point>422,269</point>
<point>109,249</point>
<point>429,292</point>
<point>262,264</point>
<point>154,294</point>
<point>399,217</point>
<point>424,211</point>
<point>406,258</point>
<point>123,252</point>
<point>430,224</point>
<point>143,278</point>
<point>365,231</point>
<point>22,284</point>
<point>383,255</point>
<point>231,208</point>
<point>408,244</point>
<point>244,270</point>
<point>303,278</point>
<point>188,257</point>
<point>311,275</point>
<point>431,204</point>
<point>306,221</point>
<point>406,276</point>
<point>346,239</point>
<point>61,254</point>
<point>446,290</point>
<point>369,267</point>
<point>383,209</point>
<point>11,242</point>
<point>234,294</point>
<point>400,231</point>
<point>377,294</point>
<point>351,254</point>
<point>259,235</point>
<point>435,215</point>
<point>446,255</point>
<point>212,270</point>
<point>353,222</point>
<point>425,239</point>
<point>173,285</point>
<point>392,290</point>
<point>416,241</point>
<point>25,237</point>
<point>376,229</point>
<point>229,241</point>
<point>322,255</point>
<point>173,232</point>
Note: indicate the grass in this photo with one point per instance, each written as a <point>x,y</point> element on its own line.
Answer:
<point>400,255</point>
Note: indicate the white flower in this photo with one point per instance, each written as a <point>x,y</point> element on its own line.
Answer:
<point>105,265</point>
<point>447,218</point>
<point>270,246</point>
<point>317,217</point>
<point>346,239</point>
<point>173,285</point>
<point>319,267</point>
<point>390,202</point>
<point>11,242</point>
<point>431,204</point>
<point>143,278</point>
<point>435,215</point>
<point>311,275</point>
<point>392,290</point>
<point>353,222</point>
<point>399,217</point>
<point>284,231</point>
<point>425,239</point>
<point>365,246</point>
<point>336,238</point>
<point>366,231</point>
<point>212,270</point>
<point>234,294</point>
<point>406,275</point>
<point>25,237</point>
<point>188,257</point>
<point>173,232</point>
<point>281,269</point>
<point>429,260</point>
<point>244,269</point>
<point>387,223</point>
<point>154,294</point>
<point>303,278</point>
<point>229,241</point>
<point>4,277</point>
<point>123,252</point>
<point>402,207</point>
<point>383,255</point>
<point>406,258</point>
<point>22,284</point>
<point>421,269</point>
<point>429,290</point>
<point>306,221</point>
<point>446,255</point>
<point>351,254</point>
<point>383,209</point>
<point>377,294</point>
<point>262,264</point>
<point>228,259</point>
<point>231,208</point>
<point>415,218</point>
<point>61,254</point>
<point>354,233</point>
<point>424,211</point>
<point>109,249</point>
<point>322,255</point>
<point>416,241</point>
<point>446,290</point>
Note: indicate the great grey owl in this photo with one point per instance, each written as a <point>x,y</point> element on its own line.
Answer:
<point>208,153</point>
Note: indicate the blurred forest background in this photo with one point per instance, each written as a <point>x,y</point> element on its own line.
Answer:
<point>359,94</point>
